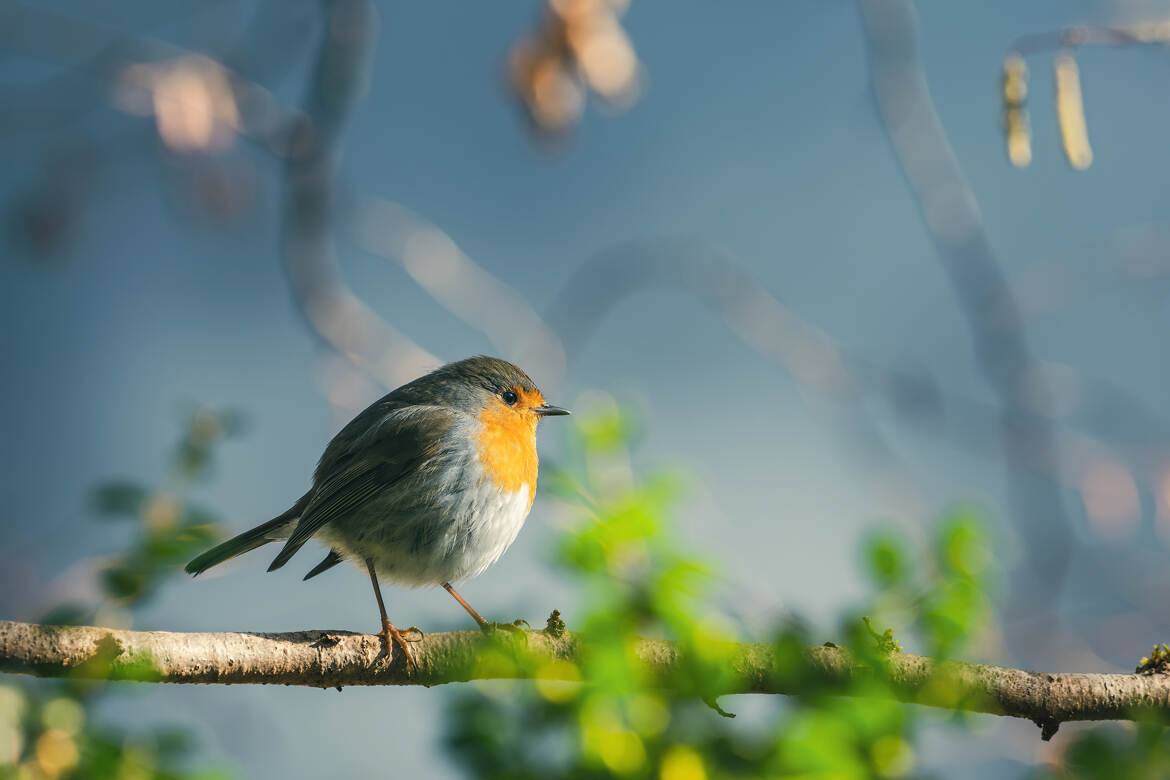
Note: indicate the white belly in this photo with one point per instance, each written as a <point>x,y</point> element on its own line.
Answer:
<point>456,538</point>
<point>493,521</point>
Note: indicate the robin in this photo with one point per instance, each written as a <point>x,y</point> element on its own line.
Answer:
<point>428,486</point>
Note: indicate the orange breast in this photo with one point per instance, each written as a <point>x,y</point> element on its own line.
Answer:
<point>507,448</point>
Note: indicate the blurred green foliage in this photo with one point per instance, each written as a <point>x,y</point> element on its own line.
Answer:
<point>608,715</point>
<point>640,581</point>
<point>51,728</point>
<point>944,591</point>
<point>1116,752</point>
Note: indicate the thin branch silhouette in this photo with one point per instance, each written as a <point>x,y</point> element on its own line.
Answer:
<point>951,216</point>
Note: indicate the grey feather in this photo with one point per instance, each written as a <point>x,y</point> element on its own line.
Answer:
<point>275,529</point>
<point>331,560</point>
<point>391,447</point>
<point>336,498</point>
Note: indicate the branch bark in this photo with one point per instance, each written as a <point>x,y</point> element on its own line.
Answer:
<point>329,659</point>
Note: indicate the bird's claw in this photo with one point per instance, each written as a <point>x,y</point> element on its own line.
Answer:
<point>413,634</point>
<point>391,634</point>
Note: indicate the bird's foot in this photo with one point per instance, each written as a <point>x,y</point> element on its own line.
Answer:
<point>391,634</point>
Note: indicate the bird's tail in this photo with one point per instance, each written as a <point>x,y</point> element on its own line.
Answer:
<point>274,530</point>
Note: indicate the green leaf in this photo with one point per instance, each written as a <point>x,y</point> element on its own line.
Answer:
<point>963,548</point>
<point>122,582</point>
<point>886,560</point>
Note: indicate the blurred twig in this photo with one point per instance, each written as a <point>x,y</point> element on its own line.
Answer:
<point>754,314</point>
<point>1155,33</point>
<point>137,69</point>
<point>465,288</point>
<point>332,309</point>
<point>765,324</point>
<point>952,217</point>
<point>199,103</point>
<point>1108,416</point>
<point>1070,110</point>
<point>90,51</point>
<point>96,58</point>
<point>273,40</point>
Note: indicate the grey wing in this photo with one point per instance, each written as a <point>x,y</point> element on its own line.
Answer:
<point>336,497</point>
<point>390,449</point>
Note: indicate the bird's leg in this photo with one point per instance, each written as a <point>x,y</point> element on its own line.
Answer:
<point>470,610</point>
<point>389,632</point>
<point>484,625</point>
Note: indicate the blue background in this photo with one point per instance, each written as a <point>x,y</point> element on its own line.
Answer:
<point>757,133</point>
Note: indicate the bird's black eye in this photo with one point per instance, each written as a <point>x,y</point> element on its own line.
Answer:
<point>509,397</point>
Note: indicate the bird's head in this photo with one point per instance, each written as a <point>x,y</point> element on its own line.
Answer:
<point>493,390</point>
<point>507,406</point>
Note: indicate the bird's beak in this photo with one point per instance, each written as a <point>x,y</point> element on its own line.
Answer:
<point>548,410</point>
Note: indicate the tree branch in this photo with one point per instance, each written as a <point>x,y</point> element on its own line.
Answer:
<point>328,659</point>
